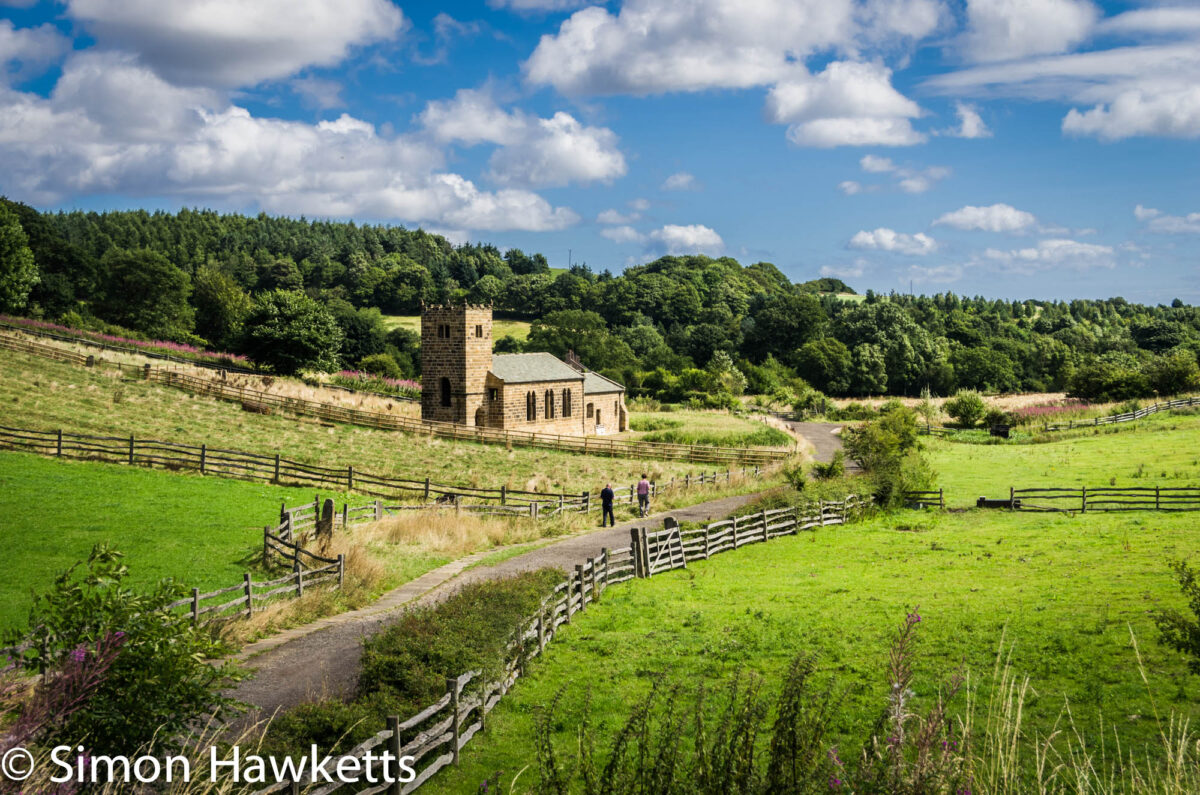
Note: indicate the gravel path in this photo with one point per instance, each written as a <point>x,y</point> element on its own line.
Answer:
<point>321,659</point>
<point>825,439</point>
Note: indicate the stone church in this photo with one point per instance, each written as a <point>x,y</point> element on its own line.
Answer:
<point>462,381</point>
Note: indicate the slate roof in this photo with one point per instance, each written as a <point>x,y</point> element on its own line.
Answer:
<point>524,368</point>
<point>596,384</point>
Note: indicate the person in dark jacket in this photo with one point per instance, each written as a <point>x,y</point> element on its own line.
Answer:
<point>606,506</point>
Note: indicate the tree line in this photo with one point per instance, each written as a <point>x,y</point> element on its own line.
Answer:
<point>296,294</point>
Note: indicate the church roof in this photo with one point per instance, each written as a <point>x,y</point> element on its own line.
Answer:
<point>596,384</point>
<point>523,368</point>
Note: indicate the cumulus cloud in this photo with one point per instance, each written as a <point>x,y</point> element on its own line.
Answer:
<point>1055,253</point>
<point>873,164</point>
<point>884,239</point>
<point>622,234</point>
<point>850,187</point>
<point>689,239</point>
<point>532,151</point>
<point>112,125</point>
<point>1001,30</point>
<point>641,205</point>
<point>970,123</point>
<point>617,217</point>
<point>25,52</point>
<point>1171,114</point>
<point>317,92</point>
<point>849,103</point>
<point>538,5</point>
<point>993,218</point>
<point>681,180</point>
<point>231,43</point>
<point>907,179</point>
<point>1159,221</point>
<point>1160,21</point>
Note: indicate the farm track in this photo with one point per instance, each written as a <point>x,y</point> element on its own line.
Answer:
<point>824,438</point>
<point>321,660</point>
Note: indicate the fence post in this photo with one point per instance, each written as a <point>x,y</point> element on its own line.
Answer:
<point>582,590</point>
<point>299,578</point>
<point>455,729</point>
<point>603,582</point>
<point>378,510</point>
<point>345,516</point>
<point>349,478</point>
<point>266,545</point>
<point>1012,498</point>
<point>706,542</point>
<point>249,596</point>
<point>393,724</point>
<point>636,548</point>
<point>131,449</point>
<point>203,457</point>
<point>1156,498</point>
<point>541,629</point>
<point>645,553</point>
<point>1083,493</point>
<point>427,500</point>
<point>942,499</point>
<point>687,480</point>
<point>341,570</point>
<point>587,501</point>
<point>570,590</point>
<point>503,494</point>
<point>764,520</point>
<point>58,445</point>
<point>195,606</point>
<point>276,479</point>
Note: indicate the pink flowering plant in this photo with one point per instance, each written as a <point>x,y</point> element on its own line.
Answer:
<point>369,382</point>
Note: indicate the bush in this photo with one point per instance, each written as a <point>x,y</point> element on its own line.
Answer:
<point>1182,632</point>
<point>889,450</point>
<point>812,404</point>
<point>997,416</point>
<point>834,469</point>
<point>382,365</point>
<point>158,683</point>
<point>967,408</point>
<point>291,332</point>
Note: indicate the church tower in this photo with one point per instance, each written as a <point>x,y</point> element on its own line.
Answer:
<point>456,355</point>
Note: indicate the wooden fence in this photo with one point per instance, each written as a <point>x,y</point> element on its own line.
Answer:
<point>926,499</point>
<point>1129,416</point>
<point>268,401</point>
<point>1110,498</point>
<point>435,736</point>
<point>243,465</point>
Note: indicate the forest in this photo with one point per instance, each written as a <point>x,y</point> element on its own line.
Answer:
<point>297,295</point>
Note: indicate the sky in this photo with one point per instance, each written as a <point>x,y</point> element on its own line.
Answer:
<point>1007,148</point>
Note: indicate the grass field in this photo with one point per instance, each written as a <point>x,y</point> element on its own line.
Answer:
<point>41,394</point>
<point>1063,592</point>
<point>1161,449</point>
<point>718,428</point>
<point>500,328</point>
<point>202,531</point>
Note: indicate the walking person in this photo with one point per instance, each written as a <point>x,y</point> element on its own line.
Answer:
<point>606,506</point>
<point>643,492</point>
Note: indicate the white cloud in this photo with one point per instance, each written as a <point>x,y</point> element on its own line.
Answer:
<point>936,274</point>
<point>849,103</point>
<point>28,51</point>
<point>317,92</point>
<point>1168,224</point>
<point>533,151</point>
<point>993,218</point>
<point>1001,30</point>
<point>884,239</point>
<point>617,217</point>
<point>1055,253</point>
<point>850,187</point>
<point>681,180</point>
<point>538,5</point>
<point>970,123</point>
<point>876,165</point>
<point>854,271</point>
<point>1164,21</point>
<point>1167,113</point>
<point>232,43</point>
<point>622,234</point>
<point>111,125</point>
<point>690,239</point>
<point>641,205</point>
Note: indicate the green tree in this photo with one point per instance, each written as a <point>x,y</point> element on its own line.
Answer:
<point>967,408</point>
<point>984,368</point>
<point>825,363</point>
<point>18,272</point>
<point>144,291</point>
<point>584,332</point>
<point>221,307</point>
<point>290,332</point>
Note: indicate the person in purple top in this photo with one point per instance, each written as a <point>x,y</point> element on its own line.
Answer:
<point>606,506</point>
<point>643,492</point>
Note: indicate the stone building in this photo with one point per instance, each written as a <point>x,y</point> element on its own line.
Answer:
<point>462,381</point>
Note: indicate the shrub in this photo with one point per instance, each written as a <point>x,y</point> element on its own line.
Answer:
<point>1177,630</point>
<point>382,365</point>
<point>812,404</point>
<point>889,450</point>
<point>158,683</point>
<point>834,469</point>
<point>967,408</point>
<point>997,416</point>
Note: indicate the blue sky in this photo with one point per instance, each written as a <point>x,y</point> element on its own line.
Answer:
<point>1009,148</point>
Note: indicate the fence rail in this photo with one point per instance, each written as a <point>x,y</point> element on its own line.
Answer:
<point>1128,416</point>
<point>258,400</point>
<point>242,465</point>
<point>1107,499</point>
<point>436,735</point>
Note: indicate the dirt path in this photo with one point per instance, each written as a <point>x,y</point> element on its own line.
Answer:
<point>321,659</point>
<point>825,439</point>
